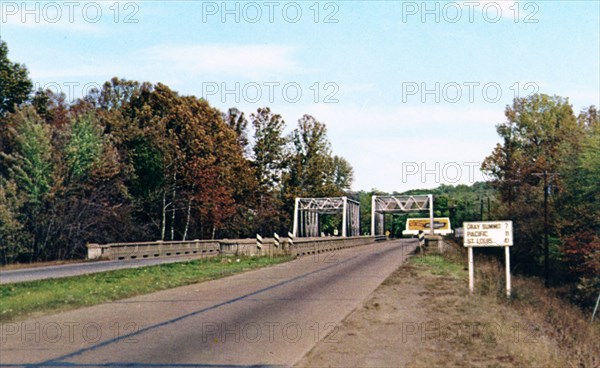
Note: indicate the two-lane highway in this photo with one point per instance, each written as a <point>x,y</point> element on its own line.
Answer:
<point>266,317</point>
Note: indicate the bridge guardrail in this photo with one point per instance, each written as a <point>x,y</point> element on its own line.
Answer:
<point>156,249</point>
<point>304,246</point>
<point>211,248</point>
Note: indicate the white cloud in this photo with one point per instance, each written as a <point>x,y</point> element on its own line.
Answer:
<point>70,73</point>
<point>355,117</point>
<point>248,61</point>
<point>385,144</point>
<point>402,163</point>
<point>582,98</point>
<point>175,65</point>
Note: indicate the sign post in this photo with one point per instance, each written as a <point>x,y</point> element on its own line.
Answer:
<point>471,271</point>
<point>507,260</point>
<point>488,234</point>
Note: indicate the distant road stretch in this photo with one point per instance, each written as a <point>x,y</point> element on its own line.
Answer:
<point>75,269</point>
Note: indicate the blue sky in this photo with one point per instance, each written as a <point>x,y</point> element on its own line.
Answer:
<point>411,91</point>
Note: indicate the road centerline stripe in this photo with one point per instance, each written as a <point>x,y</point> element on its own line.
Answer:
<point>60,360</point>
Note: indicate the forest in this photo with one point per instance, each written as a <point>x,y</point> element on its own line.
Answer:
<point>136,161</point>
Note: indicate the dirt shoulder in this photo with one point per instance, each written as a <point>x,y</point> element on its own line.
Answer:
<point>423,316</point>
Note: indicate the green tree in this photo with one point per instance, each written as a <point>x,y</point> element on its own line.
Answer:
<point>85,147</point>
<point>269,161</point>
<point>579,208</point>
<point>538,131</point>
<point>221,177</point>
<point>90,201</point>
<point>311,164</point>
<point>15,239</point>
<point>184,164</point>
<point>343,174</point>
<point>312,170</point>
<point>15,85</point>
<point>364,198</point>
<point>31,168</point>
<point>269,148</point>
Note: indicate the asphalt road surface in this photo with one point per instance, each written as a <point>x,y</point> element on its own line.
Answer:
<point>75,269</point>
<point>265,317</point>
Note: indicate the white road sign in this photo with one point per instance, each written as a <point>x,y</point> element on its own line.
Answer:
<point>488,234</point>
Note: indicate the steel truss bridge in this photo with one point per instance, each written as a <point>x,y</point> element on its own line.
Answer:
<point>307,211</point>
<point>380,205</point>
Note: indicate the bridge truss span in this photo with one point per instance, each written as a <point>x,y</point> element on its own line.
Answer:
<point>380,205</point>
<point>307,211</point>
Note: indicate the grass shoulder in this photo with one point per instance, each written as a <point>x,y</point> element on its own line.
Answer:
<point>534,327</point>
<point>34,298</point>
<point>439,265</point>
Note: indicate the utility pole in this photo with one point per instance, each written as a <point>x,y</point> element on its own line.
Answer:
<point>545,175</point>
<point>546,245</point>
<point>511,183</point>
<point>481,209</point>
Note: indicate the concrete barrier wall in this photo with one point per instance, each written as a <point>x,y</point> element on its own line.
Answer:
<point>211,248</point>
<point>247,247</point>
<point>304,246</point>
<point>157,249</point>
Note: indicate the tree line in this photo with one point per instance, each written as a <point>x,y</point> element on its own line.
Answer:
<point>546,171</point>
<point>136,161</point>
